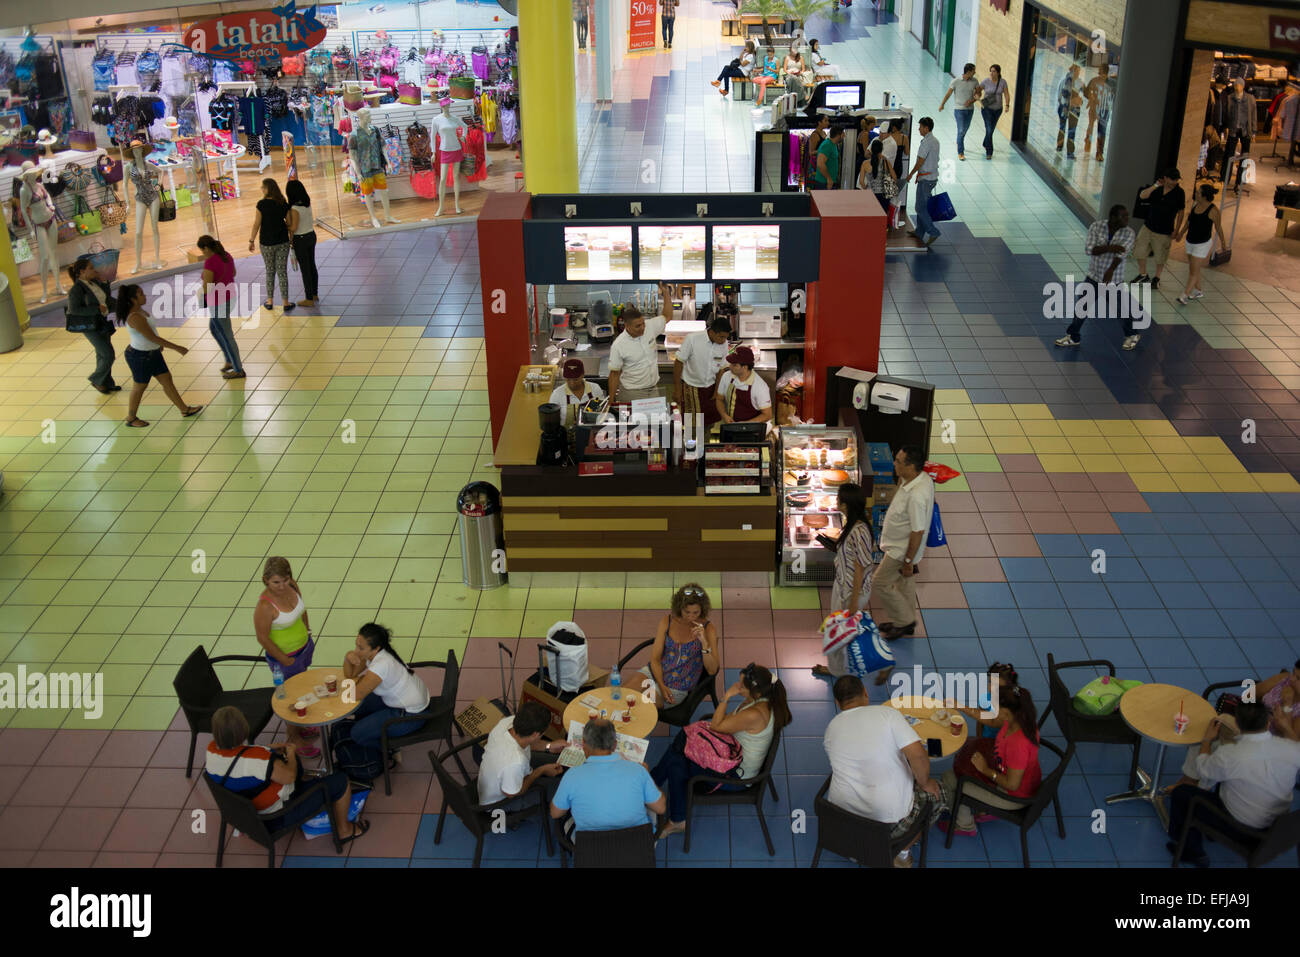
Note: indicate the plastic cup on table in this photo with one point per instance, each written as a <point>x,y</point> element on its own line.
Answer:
<point>957,722</point>
<point>331,683</point>
<point>1180,723</point>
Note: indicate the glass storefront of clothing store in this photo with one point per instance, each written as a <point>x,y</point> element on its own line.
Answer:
<point>160,126</point>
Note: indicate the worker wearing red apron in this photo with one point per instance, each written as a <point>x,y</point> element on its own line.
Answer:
<point>574,394</point>
<point>743,396</point>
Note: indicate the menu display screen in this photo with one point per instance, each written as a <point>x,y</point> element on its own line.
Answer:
<point>597,252</point>
<point>671,252</point>
<point>746,252</point>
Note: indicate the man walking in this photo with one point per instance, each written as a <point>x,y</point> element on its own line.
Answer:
<point>902,538</point>
<point>1108,243</point>
<point>926,172</point>
<point>963,106</point>
<point>1069,101</point>
<point>668,20</point>
<point>1168,202</point>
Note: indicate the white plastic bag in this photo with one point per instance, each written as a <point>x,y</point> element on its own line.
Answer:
<point>566,652</point>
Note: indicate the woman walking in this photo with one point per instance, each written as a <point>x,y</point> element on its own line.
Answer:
<point>878,176</point>
<point>218,285</point>
<point>144,355</point>
<point>271,232</point>
<point>1202,222</point>
<point>995,96</point>
<point>302,227</point>
<point>89,300</point>
<point>851,591</point>
<point>894,150</point>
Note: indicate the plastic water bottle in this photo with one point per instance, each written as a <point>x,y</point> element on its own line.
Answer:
<point>615,681</point>
<point>277,677</point>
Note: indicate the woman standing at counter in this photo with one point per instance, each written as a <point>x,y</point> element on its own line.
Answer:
<point>742,396</point>
<point>686,645</point>
<point>575,393</point>
<point>851,591</point>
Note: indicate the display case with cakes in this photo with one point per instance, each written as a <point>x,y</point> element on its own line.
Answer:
<point>737,468</point>
<point>815,461</point>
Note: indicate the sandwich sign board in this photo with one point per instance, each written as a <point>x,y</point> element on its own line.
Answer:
<point>260,35</point>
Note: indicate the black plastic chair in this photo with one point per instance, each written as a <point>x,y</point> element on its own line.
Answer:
<point>1078,727</point>
<point>462,798</point>
<point>680,715</point>
<point>239,813</point>
<point>439,717</point>
<point>860,839</point>
<point>1027,810</point>
<point>625,847</point>
<point>200,693</point>
<point>1257,847</point>
<point>699,791</point>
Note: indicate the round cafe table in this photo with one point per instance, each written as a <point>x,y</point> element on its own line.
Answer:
<point>1149,710</point>
<point>925,708</point>
<point>327,711</point>
<point>644,715</point>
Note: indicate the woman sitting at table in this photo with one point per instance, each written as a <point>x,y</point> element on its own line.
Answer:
<point>386,688</point>
<point>1008,680</point>
<point>741,395</point>
<point>999,768</point>
<point>686,645</point>
<point>763,711</point>
<point>268,776</point>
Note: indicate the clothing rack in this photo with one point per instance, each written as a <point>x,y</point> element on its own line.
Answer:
<point>136,42</point>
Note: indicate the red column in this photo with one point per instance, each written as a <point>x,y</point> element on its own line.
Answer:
<point>844,305</point>
<point>505,296</point>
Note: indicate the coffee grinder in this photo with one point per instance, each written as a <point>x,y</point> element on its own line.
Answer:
<point>553,449</point>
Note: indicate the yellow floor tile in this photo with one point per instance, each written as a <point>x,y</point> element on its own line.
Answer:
<point>1003,427</point>
<point>1011,445</point>
<point>978,445</point>
<point>1236,482</point>
<point>1221,464</point>
<point>1276,482</point>
<point>1194,482</point>
<point>1153,427</point>
<point>1137,462</point>
<point>1051,444</point>
<point>1207,445</point>
<point>1079,427</point>
<point>1122,444</point>
<point>994,410</point>
<point>1167,445</point>
<point>1089,444</point>
<point>1034,427</point>
<point>1112,427</point>
<point>1035,410</point>
<point>1104,463</point>
<point>1154,482</point>
<point>951,396</point>
<point>1182,462</point>
<point>1056,462</point>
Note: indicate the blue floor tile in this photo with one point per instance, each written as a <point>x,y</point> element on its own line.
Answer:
<point>1037,594</point>
<point>1026,570</point>
<point>1153,622</point>
<point>1049,623</point>
<point>999,623</point>
<point>949,623</point>
<point>1099,622</point>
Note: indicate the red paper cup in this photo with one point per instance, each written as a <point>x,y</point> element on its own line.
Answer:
<point>331,683</point>
<point>300,709</point>
<point>957,724</point>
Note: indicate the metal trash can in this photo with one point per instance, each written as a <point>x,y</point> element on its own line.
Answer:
<point>11,336</point>
<point>482,543</point>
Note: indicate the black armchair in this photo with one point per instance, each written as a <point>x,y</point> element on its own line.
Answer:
<point>625,847</point>
<point>1078,727</point>
<point>681,714</point>
<point>439,717</point>
<point>699,790</point>
<point>861,839</point>
<point>1257,847</point>
<point>239,813</point>
<point>200,693</point>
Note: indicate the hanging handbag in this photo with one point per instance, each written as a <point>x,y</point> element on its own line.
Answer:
<point>408,94</point>
<point>166,211</point>
<point>1141,207</point>
<point>712,750</point>
<point>888,185</point>
<point>104,260</point>
<point>936,538</point>
<point>112,213</point>
<point>86,221</point>
<point>424,183</point>
<point>67,231</point>
<point>468,163</point>
<point>294,64</point>
<point>110,170</point>
<point>461,87</point>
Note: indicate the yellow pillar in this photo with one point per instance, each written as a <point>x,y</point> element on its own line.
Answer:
<point>548,96</point>
<point>10,269</point>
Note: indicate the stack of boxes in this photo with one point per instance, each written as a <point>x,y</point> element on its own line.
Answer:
<point>883,485</point>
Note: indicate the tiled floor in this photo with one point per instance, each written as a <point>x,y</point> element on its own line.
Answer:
<point>1140,455</point>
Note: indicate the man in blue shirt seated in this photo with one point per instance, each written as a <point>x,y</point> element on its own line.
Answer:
<point>606,792</point>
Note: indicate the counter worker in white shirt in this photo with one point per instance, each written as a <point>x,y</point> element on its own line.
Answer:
<point>697,368</point>
<point>879,767</point>
<point>1256,776</point>
<point>506,769</point>
<point>742,395</point>
<point>634,355</point>
<point>902,537</point>
<point>574,394</point>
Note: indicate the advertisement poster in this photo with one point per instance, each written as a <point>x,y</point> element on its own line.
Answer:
<point>597,252</point>
<point>746,252</point>
<point>641,25</point>
<point>671,252</point>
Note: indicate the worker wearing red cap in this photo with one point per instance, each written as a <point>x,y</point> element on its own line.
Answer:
<point>742,396</point>
<point>575,393</point>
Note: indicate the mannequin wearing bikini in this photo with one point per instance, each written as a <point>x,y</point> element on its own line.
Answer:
<point>148,200</point>
<point>448,128</point>
<point>38,210</point>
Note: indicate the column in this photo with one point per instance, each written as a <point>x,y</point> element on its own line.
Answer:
<point>10,269</point>
<point>1133,139</point>
<point>547,96</point>
<point>601,36</point>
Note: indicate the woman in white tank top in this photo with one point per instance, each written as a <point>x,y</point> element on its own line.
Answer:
<point>302,230</point>
<point>145,355</point>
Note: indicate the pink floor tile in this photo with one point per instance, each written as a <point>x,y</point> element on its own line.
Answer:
<point>179,723</point>
<point>1039,502</point>
<point>410,790</point>
<point>795,621</point>
<point>987,482</point>
<point>980,569</point>
<point>1002,522</point>
<point>937,567</point>
<point>964,523</point>
<point>1016,462</point>
<point>1029,482</point>
<point>161,788</point>
<point>23,745</point>
<point>1075,502</point>
<point>1094,523</point>
<point>1071,481</point>
<point>799,653</point>
<point>748,624</point>
<point>183,840</point>
<point>74,746</point>
<point>479,681</point>
<point>14,858</point>
<point>600,623</point>
<point>1126,501</point>
<point>992,502</point>
<point>1016,546</point>
<point>738,652</point>
<point>1115,482</point>
<point>642,622</point>
<point>48,787</point>
<point>940,595</point>
<point>200,860</point>
<point>10,782</point>
<point>604,651</point>
<point>745,579</point>
<point>746,598</point>
<point>174,749</point>
<point>106,787</point>
<point>128,749</point>
<point>126,859</point>
<point>1049,523</point>
<point>77,859</point>
<point>143,829</point>
<point>956,502</point>
<point>390,835</point>
<point>433,801</point>
<point>968,546</point>
<point>81,829</point>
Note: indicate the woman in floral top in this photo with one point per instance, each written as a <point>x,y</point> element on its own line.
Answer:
<point>851,591</point>
<point>686,645</point>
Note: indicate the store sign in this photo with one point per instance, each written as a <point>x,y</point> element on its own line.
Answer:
<point>1284,33</point>
<point>261,35</point>
<point>641,25</point>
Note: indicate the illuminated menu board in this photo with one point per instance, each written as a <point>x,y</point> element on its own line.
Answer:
<point>746,252</point>
<point>597,252</point>
<point>671,252</point>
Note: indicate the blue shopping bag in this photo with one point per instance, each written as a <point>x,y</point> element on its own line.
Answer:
<point>865,651</point>
<point>320,824</point>
<point>936,538</point>
<point>940,208</point>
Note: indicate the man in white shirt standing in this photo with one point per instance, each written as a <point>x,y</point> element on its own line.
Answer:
<point>926,172</point>
<point>1256,775</point>
<point>634,356</point>
<point>699,365</point>
<point>879,767</point>
<point>505,770</point>
<point>907,523</point>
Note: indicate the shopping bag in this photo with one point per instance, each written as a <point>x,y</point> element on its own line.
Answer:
<point>940,208</point>
<point>320,824</point>
<point>865,651</point>
<point>940,473</point>
<point>104,260</point>
<point>182,197</point>
<point>936,538</point>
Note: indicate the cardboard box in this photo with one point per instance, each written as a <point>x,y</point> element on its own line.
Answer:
<point>479,718</point>
<point>555,701</point>
<point>883,493</point>
<point>881,458</point>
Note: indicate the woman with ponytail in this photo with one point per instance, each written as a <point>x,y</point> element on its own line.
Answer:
<point>1006,767</point>
<point>144,355</point>
<point>218,288</point>
<point>763,711</point>
<point>386,688</point>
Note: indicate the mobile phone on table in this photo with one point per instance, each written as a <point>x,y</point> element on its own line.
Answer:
<point>934,747</point>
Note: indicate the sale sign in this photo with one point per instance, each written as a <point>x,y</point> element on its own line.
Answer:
<point>641,25</point>
<point>261,35</point>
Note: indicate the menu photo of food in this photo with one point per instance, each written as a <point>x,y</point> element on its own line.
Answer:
<point>597,252</point>
<point>746,252</point>
<point>671,252</point>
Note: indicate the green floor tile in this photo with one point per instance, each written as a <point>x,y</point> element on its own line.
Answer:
<point>137,649</point>
<point>147,714</point>
<point>598,598</point>
<point>977,462</point>
<point>489,623</point>
<point>783,597</point>
<point>110,708</point>
<point>647,597</point>
<point>36,648</point>
<point>537,622</point>
<point>544,598</point>
<point>123,679</point>
<point>35,592</point>
<point>409,595</point>
<point>441,622</point>
<point>432,648</point>
<point>157,620</point>
<point>508,596</point>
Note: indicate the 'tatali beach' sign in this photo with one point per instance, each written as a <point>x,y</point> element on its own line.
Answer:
<point>261,35</point>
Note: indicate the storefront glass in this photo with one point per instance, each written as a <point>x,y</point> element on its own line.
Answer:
<point>1069,92</point>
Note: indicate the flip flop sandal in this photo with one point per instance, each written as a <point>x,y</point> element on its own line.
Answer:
<point>361,828</point>
<point>194,410</point>
<point>137,423</point>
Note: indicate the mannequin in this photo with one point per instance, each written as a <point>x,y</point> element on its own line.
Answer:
<point>148,200</point>
<point>367,151</point>
<point>38,210</point>
<point>448,129</point>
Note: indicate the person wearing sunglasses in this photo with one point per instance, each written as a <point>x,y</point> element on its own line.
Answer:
<point>686,646</point>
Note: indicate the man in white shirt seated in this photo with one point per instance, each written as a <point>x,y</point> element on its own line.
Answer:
<point>1256,776</point>
<point>505,770</point>
<point>879,767</point>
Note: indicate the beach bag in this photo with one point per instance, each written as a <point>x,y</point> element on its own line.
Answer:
<point>424,183</point>
<point>408,94</point>
<point>166,211</point>
<point>319,825</point>
<point>182,198</point>
<point>110,170</point>
<point>940,208</point>
<point>104,260</point>
<point>293,65</point>
<point>461,87</point>
<point>719,753</point>
<point>22,250</point>
<point>865,651</point>
<point>86,222</point>
<point>353,100</point>
<point>566,650</point>
<point>1101,695</point>
<point>67,231</point>
<point>936,538</point>
<point>112,213</point>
